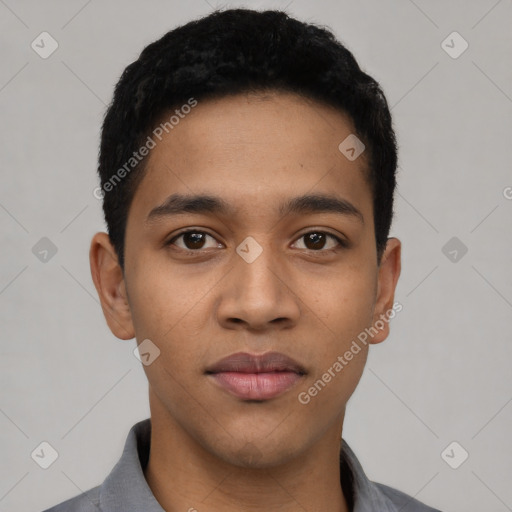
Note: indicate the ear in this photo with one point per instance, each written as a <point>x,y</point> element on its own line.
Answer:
<point>109,282</point>
<point>389,271</point>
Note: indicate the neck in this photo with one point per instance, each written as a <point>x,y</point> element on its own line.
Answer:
<point>183,476</point>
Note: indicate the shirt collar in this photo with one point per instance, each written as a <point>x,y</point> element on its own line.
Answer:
<point>125,489</point>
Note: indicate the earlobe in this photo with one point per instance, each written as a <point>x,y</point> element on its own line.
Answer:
<point>109,282</point>
<point>388,274</point>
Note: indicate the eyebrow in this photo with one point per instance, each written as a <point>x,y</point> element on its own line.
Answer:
<point>177,204</point>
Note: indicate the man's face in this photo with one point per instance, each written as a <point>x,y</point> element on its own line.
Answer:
<point>207,295</point>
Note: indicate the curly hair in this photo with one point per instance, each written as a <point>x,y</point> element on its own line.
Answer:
<point>238,51</point>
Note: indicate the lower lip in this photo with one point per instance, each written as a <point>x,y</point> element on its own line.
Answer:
<point>256,386</point>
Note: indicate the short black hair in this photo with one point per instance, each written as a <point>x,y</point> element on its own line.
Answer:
<point>231,52</point>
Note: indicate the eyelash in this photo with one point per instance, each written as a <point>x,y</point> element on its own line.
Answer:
<point>342,243</point>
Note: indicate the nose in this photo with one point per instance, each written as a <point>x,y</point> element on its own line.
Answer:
<point>258,296</point>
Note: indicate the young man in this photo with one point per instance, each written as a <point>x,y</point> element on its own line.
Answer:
<point>247,173</point>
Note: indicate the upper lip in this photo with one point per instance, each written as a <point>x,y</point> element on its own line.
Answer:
<point>244,362</point>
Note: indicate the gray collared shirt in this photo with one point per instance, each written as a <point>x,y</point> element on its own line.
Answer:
<point>125,489</point>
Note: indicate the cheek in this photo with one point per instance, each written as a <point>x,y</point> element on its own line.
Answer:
<point>338,356</point>
<point>341,309</point>
<point>161,301</point>
<point>343,301</point>
<point>171,311</point>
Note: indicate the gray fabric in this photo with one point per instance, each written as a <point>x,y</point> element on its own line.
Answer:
<point>126,490</point>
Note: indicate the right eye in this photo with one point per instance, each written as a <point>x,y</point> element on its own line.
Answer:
<point>192,240</point>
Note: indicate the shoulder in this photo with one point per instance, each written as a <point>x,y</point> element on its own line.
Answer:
<point>86,502</point>
<point>402,501</point>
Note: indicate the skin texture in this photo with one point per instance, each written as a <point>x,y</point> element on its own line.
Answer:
<point>209,449</point>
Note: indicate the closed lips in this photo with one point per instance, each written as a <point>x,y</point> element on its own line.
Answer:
<point>256,378</point>
<point>243,362</point>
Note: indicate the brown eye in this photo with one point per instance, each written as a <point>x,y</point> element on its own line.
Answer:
<point>318,240</point>
<point>315,240</point>
<point>192,240</point>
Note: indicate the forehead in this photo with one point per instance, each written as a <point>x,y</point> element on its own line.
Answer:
<point>253,146</point>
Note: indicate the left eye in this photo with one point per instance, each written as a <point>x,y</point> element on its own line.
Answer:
<point>316,240</point>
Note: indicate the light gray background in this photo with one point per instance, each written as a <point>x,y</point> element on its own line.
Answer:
<point>444,373</point>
